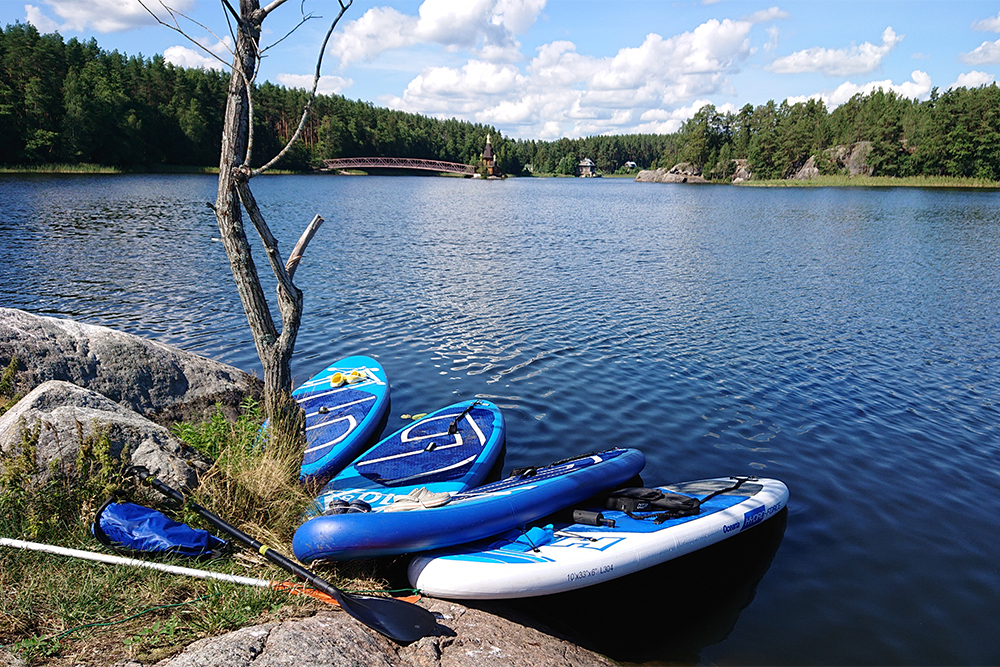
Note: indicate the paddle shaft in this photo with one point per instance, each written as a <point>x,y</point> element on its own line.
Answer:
<point>395,619</point>
<point>133,562</point>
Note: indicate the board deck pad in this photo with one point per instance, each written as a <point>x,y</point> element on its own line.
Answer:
<point>344,404</point>
<point>470,515</point>
<point>423,454</point>
<point>552,556</point>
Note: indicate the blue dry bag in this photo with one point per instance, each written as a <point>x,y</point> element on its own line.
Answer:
<point>131,528</point>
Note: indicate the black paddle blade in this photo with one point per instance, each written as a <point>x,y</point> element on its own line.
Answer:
<point>396,619</point>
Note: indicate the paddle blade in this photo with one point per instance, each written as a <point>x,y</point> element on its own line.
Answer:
<point>397,620</point>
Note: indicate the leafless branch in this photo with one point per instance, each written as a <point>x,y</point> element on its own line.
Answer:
<point>271,7</point>
<point>312,95</point>
<point>305,17</point>
<point>177,28</point>
<point>300,247</point>
<point>232,10</point>
<point>266,237</point>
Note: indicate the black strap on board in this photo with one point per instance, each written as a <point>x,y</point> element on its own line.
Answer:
<point>661,507</point>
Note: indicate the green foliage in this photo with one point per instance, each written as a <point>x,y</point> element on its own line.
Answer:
<point>78,612</point>
<point>73,102</point>
<point>8,395</point>
<point>50,505</point>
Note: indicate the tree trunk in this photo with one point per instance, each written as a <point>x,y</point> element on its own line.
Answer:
<point>274,350</point>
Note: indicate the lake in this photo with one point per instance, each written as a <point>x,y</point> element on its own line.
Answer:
<point>845,341</point>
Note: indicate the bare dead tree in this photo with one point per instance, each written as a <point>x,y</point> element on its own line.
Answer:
<point>234,196</point>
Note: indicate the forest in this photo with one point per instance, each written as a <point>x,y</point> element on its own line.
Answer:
<point>71,102</point>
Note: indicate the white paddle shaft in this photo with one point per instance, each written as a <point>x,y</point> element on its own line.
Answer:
<point>121,560</point>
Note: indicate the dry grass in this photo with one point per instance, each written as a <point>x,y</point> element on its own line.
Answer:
<point>63,611</point>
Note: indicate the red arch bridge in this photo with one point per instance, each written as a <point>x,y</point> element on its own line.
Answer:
<point>399,163</point>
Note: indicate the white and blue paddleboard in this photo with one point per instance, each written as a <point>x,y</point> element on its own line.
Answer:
<point>345,405</point>
<point>471,515</point>
<point>449,450</point>
<point>547,558</point>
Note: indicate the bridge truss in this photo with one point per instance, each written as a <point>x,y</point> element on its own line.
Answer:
<point>399,163</point>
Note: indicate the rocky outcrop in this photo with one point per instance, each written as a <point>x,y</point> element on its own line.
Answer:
<point>156,380</point>
<point>851,160</point>
<point>807,171</point>
<point>467,637</point>
<point>66,416</point>
<point>742,172</point>
<point>684,172</point>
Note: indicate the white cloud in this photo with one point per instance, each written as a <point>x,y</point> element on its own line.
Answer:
<point>183,56</point>
<point>42,23</point>
<point>919,87</point>
<point>991,24</point>
<point>518,15</point>
<point>767,15</point>
<point>561,92</point>
<point>972,79</point>
<point>987,53</point>
<point>772,34</point>
<point>99,15</point>
<point>839,62</point>
<point>328,85</point>
<point>487,25</point>
<point>379,29</point>
<point>664,121</point>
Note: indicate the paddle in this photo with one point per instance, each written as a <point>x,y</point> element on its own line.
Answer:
<point>397,620</point>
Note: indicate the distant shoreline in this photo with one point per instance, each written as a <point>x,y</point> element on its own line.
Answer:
<point>834,181</point>
<point>839,181</point>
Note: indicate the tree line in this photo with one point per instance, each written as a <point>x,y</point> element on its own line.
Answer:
<point>73,102</point>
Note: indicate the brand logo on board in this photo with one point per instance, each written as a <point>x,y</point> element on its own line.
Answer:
<point>753,517</point>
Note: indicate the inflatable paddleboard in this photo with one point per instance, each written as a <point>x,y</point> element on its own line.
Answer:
<point>560,556</point>
<point>344,405</point>
<point>450,450</point>
<point>471,515</point>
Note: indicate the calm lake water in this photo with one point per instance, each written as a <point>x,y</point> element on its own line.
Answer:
<point>845,341</point>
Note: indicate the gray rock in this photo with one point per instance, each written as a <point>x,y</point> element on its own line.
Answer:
<point>851,160</point>
<point>808,171</point>
<point>66,415</point>
<point>467,637</point>
<point>153,379</point>
<point>683,172</point>
<point>743,172</point>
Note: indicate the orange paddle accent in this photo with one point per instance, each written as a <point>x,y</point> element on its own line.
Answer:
<point>301,589</point>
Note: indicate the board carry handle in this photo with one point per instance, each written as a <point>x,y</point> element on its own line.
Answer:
<point>398,620</point>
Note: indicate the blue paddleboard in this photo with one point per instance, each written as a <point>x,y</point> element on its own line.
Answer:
<point>471,515</point>
<point>450,450</point>
<point>344,405</point>
<point>557,554</point>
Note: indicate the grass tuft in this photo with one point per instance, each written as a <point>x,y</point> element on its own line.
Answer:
<point>64,611</point>
<point>8,394</point>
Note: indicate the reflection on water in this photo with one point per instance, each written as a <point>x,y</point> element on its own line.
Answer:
<point>667,614</point>
<point>844,341</point>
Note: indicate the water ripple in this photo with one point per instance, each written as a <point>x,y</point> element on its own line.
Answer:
<point>845,341</point>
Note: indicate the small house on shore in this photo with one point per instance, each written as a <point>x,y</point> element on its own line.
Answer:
<point>586,168</point>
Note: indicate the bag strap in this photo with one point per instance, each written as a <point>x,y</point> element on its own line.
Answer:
<point>661,517</point>
<point>96,528</point>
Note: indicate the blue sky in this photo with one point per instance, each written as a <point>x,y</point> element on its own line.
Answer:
<point>544,69</point>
